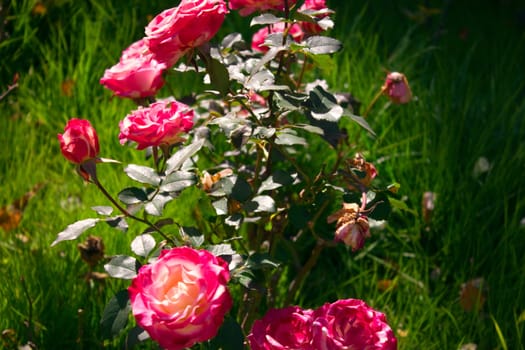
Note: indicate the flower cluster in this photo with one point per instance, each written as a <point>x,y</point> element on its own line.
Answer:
<point>235,149</point>
<point>344,324</point>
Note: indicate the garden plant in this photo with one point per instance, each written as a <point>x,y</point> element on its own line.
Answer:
<point>234,174</point>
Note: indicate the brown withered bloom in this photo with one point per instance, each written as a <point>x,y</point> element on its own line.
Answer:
<point>366,171</point>
<point>92,250</point>
<point>352,226</point>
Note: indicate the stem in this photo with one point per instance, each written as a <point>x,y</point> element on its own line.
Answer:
<point>30,311</point>
<point>373,102</point>
<point>305,270</point>
<point>128,214</point>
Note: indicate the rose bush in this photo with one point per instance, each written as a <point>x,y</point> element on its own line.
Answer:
<point>161,123</point>
<point>79,142</point>
<point>281,329</point>
<point>182,297</point>
<point>351,324</point>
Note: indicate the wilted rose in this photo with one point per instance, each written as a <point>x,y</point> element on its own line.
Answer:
<point>352,227</point>
<point>260,36</point>
<point>247,7</point>
<point>351,324</point>
<point>396,88</point>
<point>138,74</point>
<point>79,142</point>
<point>161,123</point>
<point>181,298</point>
<point>283,329</point>
<point>174,31</point>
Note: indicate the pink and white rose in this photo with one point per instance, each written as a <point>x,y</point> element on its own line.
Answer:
<point>175,31</point>
<point>138,74</point>
<point>247,7</point>
<point>351,324</point>
<point>79,142</point>
<point>260,36</point>
<point>282,329</point>
<point>161,123</point>
<point>181,298</point>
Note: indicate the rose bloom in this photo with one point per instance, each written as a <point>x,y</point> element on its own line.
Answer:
<point>174,31</point>
<point>396,88</point>
<point>161,123</point>
<point>182,297</point>
<point>351,324</point>
<point>138,74</point>
<point>316,5</point>
<point>282,329</point>
<point>247,7</point>
<point>79,142</point>
<point>260,36</point>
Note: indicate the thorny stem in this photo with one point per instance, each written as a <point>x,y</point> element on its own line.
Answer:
<point>128,214</point>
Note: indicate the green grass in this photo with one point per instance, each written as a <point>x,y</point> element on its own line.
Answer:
<point>469,105</point>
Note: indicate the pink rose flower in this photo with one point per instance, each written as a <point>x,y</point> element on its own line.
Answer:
<point>260,36</point>
<point>161,123</point>
<point>396,88</point>
<point>282,329</point>
<point>351,324</point>
<point>79,142</point>
<point>176,30</point>
<point>138,74</point>
<point>247,7</point>
<point>316,5</point>
<point>182,298</point>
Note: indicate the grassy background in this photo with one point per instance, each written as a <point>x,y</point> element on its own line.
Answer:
<point>465,66</point>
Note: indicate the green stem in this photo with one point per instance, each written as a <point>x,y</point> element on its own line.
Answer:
<point>373,102</point>
<point>128,214</point>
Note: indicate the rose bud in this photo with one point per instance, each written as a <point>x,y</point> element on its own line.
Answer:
<point>79,142</point>
<point>396,88</point>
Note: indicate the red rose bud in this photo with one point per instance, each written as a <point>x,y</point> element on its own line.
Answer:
<point>396,88</point>
<point>79,142</point>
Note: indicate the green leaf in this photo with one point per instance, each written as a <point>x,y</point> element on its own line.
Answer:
<point>268,56</point>
<point>224,249</point>
<point>74,230</point>
<point>380,204</point>
<point>143,244</point>
<point>323,105</point>
<point>156,205</point>
<point>115,315</point>
<point>361,121</point>
<point>219,76</point>
<point>133,195</point>
<point>230,336</point>
<point>398,204</point>
<point>221,206</point>
<point>118,222</point>
<point>176,161</point>
<point>265,18</point>
<point>135,336</point>
<point>289,100</point>
<point>177,181</point>
<point>319,45</point>
<point>278,179</point>
<point>261,203</point>
<point>241,190</point>
<point>103,210</point>
<point>122,266</point>
<point>258,261</point>
<point>192,235</point>
<point>289,138</point>
<point>234,220</point>
<point>142,174</point>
